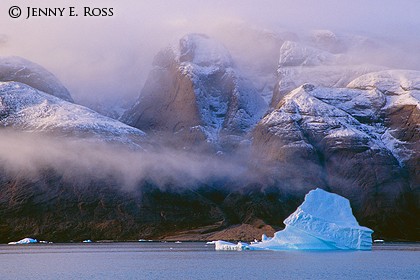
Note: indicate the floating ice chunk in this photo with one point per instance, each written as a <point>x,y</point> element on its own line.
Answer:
<point>227,246</point>
<point>24,241</point>
<point>324,221</point>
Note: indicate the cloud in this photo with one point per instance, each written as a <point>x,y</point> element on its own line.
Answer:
<point>28,154</point>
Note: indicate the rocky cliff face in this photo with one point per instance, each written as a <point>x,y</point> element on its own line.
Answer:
<point>194,91</point>
<point>62,209</point>
<point>401,111</point>
<point>50,206</point>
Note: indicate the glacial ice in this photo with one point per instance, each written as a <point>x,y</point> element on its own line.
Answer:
<point>24,241</point>
<point>324,221</point>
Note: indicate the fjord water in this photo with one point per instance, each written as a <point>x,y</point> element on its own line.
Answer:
<point>194,260</point>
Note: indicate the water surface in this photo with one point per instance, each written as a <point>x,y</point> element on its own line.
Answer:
<point>194,260</point>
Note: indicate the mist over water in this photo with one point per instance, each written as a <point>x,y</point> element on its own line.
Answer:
<point>29,154</point>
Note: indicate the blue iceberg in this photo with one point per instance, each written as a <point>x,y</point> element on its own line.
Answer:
<point>324,221</point>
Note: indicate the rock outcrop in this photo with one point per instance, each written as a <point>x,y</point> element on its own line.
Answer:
<point>195,92</point>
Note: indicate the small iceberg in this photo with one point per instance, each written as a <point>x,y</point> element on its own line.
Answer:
<point>324,221</point>
<point>24,241</point>
<point>221,245</point>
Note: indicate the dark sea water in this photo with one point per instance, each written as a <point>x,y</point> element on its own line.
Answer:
<point>154,260</point>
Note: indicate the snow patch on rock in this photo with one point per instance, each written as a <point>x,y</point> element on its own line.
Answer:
<point>401,87</point>
<point>26,108</point>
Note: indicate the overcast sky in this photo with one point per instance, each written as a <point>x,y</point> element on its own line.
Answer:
<point>99,58</point>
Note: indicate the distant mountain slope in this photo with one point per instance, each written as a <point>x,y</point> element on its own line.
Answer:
<point>18,69</point>
<point>25,108</point>
<point>331,66</point>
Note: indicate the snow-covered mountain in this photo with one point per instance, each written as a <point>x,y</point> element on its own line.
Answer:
<point>194,90</point>
<point>25,108</point>
<point>18,69</point>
